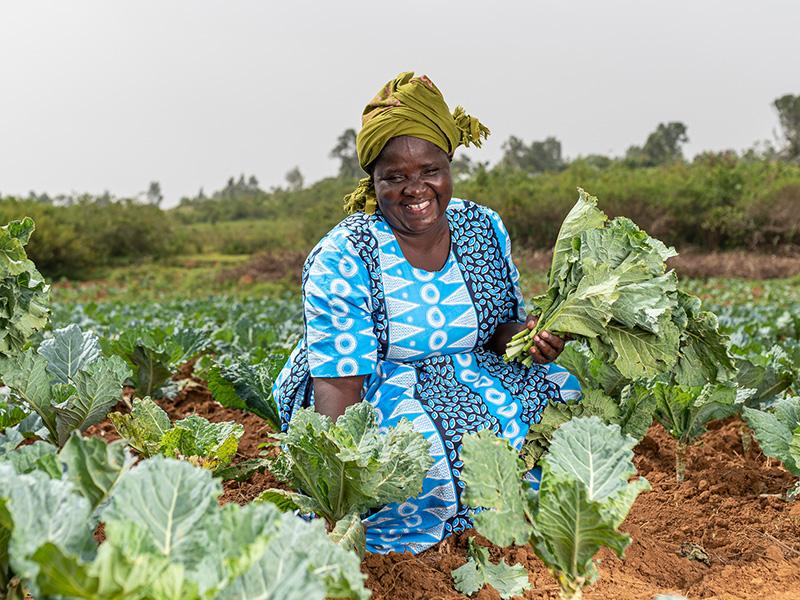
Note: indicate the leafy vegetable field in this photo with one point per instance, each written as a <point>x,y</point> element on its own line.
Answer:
<point>139,458</point>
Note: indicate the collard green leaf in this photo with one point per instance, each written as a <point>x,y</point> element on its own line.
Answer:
<point>69,351</point>
<point>593,453</point>
<point>97,389</point>
<point>152,353</point>
<point>11,412</point>
<point>242,470</point>
<point>24,296</point>
<point>9,440</point>
<point>39,456</point>
<point>284,575</point>
<point>570,529</point>
<point>167,500</point>
<point>479,570</point>
<point>94,466</point>
<point>42,510</point>
<point>26,374</point>
<point>641,354</point>
<point>350,466</point>
<point>705,355</point>
<point>794,446</point>
<point>540,434</point>
<point>145,354</point>
<point>194,436</point>
<point>609,284</point>
<point>775,431</point>
<point>594,403</point>
<point>144,427</point>
<point>246,387</point>
<point>287,501</point>
<point>591,371</point>
<point>587,310</point>
<point>637,407</point>
<point>492,474</point>
<point>338,568</point>
<point>582,217</point>
<point>685,411</point>
<point>349,533</point>
<point>770,374</point>
<point>113,575</point>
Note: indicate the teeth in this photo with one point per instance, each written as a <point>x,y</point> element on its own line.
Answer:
<point>418,207</point>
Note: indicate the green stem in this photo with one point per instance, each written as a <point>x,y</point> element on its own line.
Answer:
<point>570,590</point>
<point>680,460</point>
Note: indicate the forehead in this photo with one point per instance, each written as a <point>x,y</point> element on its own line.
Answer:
<point>405,149</point>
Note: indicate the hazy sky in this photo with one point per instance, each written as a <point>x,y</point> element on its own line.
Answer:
<point>108,95</point>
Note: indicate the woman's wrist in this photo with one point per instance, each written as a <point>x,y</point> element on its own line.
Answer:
<point>503,334</point>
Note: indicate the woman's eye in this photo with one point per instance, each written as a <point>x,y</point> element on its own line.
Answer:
<point>431,171</point>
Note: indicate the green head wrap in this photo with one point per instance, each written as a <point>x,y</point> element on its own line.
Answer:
<point>412,106</point>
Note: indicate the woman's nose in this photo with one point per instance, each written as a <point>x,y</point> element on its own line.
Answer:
<point>414,187</point>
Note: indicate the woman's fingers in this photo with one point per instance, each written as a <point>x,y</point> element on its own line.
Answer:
<point>531,321</point>
<point>546,347</point>
<point>554,341</point>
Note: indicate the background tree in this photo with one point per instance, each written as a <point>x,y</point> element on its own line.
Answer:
<point>345,152</point>
<point>295,179</point>
<point>538,157</point>
<point>663,146</point>
<point>153,193</point>
<point>788,108</point>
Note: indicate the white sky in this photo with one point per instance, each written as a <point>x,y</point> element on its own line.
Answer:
<point>108,95</point>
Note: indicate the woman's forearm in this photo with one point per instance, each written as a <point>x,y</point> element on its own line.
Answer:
<point>332,395</point>
<point>502,335</point>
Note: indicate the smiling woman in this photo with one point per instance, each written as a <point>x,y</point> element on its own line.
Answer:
<point>409,304</point>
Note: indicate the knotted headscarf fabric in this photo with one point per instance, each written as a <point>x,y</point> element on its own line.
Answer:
<point>413,106</point>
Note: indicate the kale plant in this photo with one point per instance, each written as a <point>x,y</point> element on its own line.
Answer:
<point>344,469</point>
<point>585,493</point>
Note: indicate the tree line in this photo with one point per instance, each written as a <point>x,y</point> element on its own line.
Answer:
<point>718,200</point>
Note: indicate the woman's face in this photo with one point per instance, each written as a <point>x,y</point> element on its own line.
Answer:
<point>413,185</point>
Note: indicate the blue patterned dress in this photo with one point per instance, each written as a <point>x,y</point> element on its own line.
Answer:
<point>419,339</point>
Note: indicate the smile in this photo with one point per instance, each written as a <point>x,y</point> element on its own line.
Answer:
<point>418,208</point>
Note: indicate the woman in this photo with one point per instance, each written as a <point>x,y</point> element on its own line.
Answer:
<point>409,304</point>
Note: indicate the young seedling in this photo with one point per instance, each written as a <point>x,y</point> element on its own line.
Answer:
<point>585,493</point>
<point>203,443</point>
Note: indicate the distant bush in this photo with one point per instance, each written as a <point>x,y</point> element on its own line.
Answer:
<point>716,202</point>
<point>72,240</point>
<point>719,201</point>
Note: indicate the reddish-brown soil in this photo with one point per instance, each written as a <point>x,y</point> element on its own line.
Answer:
<point>785,262</point>
<point>266,266</point>
<point>725,532</point>
<point>728,508</point>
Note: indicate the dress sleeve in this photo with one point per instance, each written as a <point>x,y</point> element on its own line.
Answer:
<point>518,312</point>
<point>339,332</point>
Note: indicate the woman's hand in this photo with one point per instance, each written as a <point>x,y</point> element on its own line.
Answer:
<point>546,346</point>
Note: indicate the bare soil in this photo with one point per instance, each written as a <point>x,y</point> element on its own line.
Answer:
<point>725,532</point>
<point>784,262</point>
<point>266,266</point>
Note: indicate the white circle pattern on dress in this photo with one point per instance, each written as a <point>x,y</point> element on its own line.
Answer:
<point>421,275</point>
<point>346,367</point>
<point>345,343</point>
<point>429,293</point>
<point>347,267</point>
<point>342,323</point>
<point>435,317</point>
<point>438,339</point>
<point>339,287</point>
<point>338,307</point>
